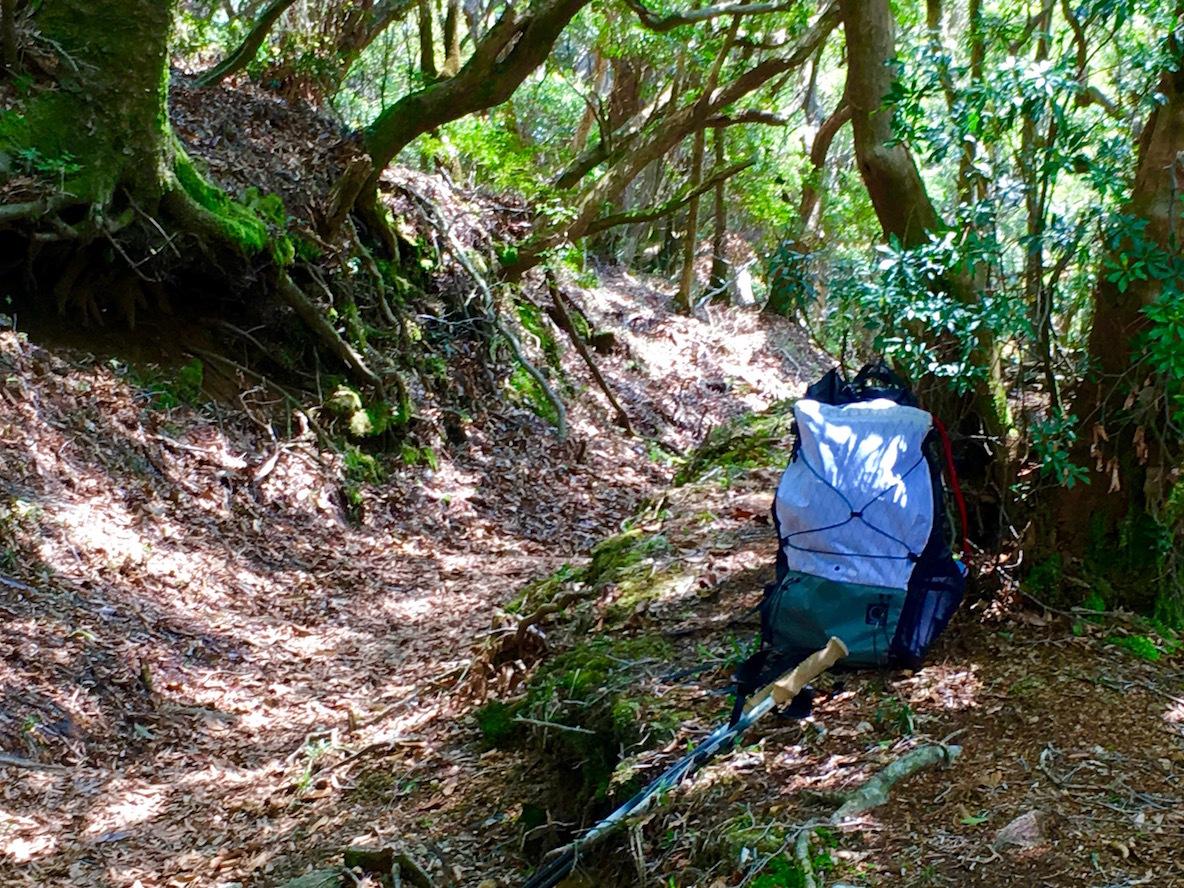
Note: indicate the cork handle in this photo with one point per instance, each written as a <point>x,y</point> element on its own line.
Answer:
<point>786,688</point>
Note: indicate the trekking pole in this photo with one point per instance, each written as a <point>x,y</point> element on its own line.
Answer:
<point>775,694</point>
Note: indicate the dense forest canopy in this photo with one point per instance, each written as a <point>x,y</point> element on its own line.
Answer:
<point>984,193</point>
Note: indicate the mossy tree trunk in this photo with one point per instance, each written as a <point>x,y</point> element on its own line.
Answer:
<point>108,114</point>
<point>121,178</point>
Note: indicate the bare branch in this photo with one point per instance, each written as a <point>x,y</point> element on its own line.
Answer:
<point>768,118</point>
<point>736,8</point>
<point>673,205</point>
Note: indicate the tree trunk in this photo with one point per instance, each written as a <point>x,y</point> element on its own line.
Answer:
<point>719,260</point>
<point>427,42</point>
<point>452,38</point>
<point>906,212</point>
<point>1037,182</point>
<point>1105,521</point>
<point>580,140</point>
<point>685,299</point>
<point>109,111</point>
<point>893,182</point>
<point>108,116</point>
<point>8,48</point>
<point>789,270</point>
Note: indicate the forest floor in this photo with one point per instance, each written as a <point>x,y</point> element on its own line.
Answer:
<point>211,675</point>
<point>226,654</point>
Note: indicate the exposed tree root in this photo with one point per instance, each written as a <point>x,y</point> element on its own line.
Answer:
<point>200,222</point>
<point>316,321</point>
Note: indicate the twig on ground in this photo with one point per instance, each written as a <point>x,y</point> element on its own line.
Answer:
<point>802,852</point>
<point>871,795</point>
<point>12,583</point>
<point>875,791</point>
<point>370,748</point>
<point>15,761</point>
<point>1074,613</point>
<point>575,729</point>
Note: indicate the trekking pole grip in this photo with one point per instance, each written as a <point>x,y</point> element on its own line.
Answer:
<point>786,688</point>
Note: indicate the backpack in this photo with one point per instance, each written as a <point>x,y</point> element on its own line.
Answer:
<point>864,535</point>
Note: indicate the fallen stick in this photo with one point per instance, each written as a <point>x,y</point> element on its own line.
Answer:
<point>875,792</point>
<point>12,583</point>
<point>15,761</point>
<point>563,320</point>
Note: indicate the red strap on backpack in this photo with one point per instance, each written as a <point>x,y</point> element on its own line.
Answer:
<point>954,486</point>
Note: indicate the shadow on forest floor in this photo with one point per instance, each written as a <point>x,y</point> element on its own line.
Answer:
<point>198,666</point>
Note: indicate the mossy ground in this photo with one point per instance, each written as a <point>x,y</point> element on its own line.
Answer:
<point>597,701</point>
<point>589,708</point>
<point>756,440</point>
<point>629,560</point>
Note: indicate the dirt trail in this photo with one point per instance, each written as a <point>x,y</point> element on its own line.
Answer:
<point>200,653</point>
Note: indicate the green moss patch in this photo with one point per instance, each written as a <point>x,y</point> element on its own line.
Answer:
<point>757,440</point>
<point>586,710</point>
<point>628,559</point>
<point>248,223</point>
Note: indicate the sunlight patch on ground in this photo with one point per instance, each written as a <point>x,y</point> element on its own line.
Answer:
<point>23,838</point>
<point>944,687</point>
<point>102,527</point>
<point>124,804</point>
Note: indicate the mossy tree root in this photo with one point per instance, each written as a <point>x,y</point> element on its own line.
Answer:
<point>211,230</point>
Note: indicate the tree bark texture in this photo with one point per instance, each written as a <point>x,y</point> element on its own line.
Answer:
<point>719,232</point>
<point>109,111</point>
